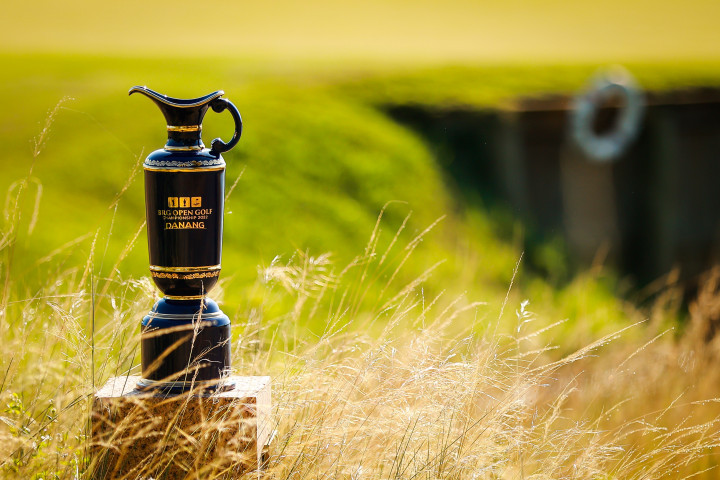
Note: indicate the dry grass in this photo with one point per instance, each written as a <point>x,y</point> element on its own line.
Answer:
<point>397,386</point>
<point>430,399</point>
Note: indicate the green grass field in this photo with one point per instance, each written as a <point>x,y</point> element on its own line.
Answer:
<point>318,162</point>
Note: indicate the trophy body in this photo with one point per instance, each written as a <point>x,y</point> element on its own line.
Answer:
<point>184,210</point>
<point>186,337</point>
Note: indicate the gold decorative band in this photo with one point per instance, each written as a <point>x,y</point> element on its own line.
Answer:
<point>189,276</point>
<point>188,169</point>
<point>184,297</point>
<point>188,162</point>
<point>158,268</point>
<point>192,148</point>
<point>184,128</point>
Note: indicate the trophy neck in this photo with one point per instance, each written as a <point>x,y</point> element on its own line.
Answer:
<point>184,138</point>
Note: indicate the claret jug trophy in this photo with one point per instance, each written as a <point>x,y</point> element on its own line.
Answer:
<point>185,339</point>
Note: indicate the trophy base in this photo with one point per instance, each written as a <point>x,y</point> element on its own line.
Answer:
<point>150,386</point>
<point>185,345</point>
<point>140,434</point>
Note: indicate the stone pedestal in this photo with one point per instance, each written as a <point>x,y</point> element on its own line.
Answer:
<point>137,434</point>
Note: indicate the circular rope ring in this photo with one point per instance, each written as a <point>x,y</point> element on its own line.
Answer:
<point>608,146</point>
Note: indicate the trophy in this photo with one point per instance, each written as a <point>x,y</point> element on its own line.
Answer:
<point>186,337</point>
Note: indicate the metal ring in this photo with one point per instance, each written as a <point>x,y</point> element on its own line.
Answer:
<point>609,146</point>
<point>184,128</point>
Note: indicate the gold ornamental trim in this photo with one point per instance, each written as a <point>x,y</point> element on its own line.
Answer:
<point>158,268</point>
<point>215,162</point>
<point>184,128</point>
<point>188,169</point>
<point>192,165</point>
<point>189,276</point>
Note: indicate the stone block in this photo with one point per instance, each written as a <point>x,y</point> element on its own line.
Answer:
<point>139,434</point>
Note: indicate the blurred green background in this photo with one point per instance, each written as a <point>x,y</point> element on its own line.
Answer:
<point>392,30</point>
<point>320,157</point>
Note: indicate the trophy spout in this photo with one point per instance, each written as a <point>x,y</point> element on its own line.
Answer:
<point>177,105</point>
<point>184,117</point>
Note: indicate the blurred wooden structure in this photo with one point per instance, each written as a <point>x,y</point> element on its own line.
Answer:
<point>653,209</point>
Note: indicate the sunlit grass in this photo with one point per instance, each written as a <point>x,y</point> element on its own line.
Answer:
<point>397,386</point>
<point>414,355</point>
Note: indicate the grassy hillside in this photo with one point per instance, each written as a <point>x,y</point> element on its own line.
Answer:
<point>422,307</point>
<point>302,152</point>
<point>317,170</point>
<point>405,335</point>
<point>318,164</point>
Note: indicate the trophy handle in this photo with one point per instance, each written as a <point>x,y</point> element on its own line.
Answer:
<point>218,105</point>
